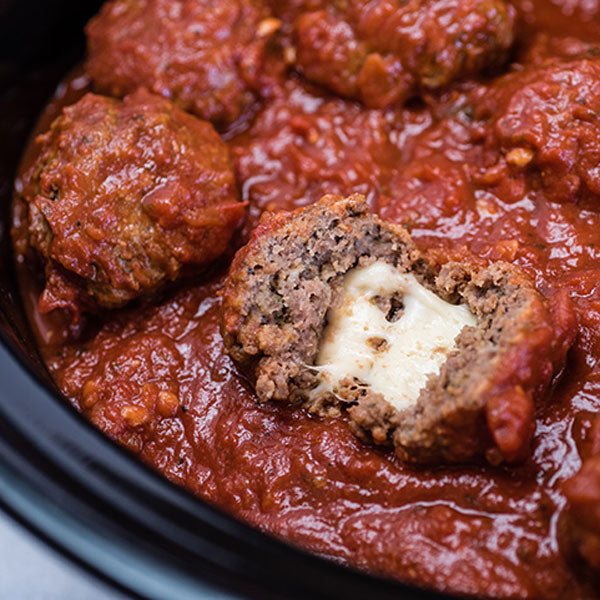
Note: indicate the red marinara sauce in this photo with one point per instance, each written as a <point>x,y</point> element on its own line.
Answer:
<point>156,378</point>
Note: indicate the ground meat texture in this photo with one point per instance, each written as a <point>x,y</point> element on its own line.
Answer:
<point>543,123</point>
<point>205,55</point>
<point>123,197</point>
<point>583,515</point>
<point>283,282</point>
<point>384,52</point>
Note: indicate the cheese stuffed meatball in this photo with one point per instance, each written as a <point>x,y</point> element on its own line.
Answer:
<point>331,308</point>
<point>207,56</point>
<point>542,124</point>
<point>123,197</point>
<point>582,531</point>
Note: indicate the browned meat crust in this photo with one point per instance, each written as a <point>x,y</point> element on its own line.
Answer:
<point>385,51</point>
<point>543,124</point>
<point>205,56</point>
<point>282,283</point>
<point>122,196</point>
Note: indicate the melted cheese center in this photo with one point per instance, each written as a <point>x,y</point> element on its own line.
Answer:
<point>393,358</point>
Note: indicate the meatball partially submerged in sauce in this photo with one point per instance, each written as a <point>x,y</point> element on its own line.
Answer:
<point>122,198</point>
<point>384,52</point>
<point>206,56</point>
<point>336,309</point>
<point>543,124</point>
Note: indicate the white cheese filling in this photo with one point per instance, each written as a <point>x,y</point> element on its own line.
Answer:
<point>393,358</point>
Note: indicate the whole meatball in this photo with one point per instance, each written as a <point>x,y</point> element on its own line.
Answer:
<point>542,123</point>
<point>382,52</point>
<point>582,530</point>
<point>205,55</point>
<point>122,196</point>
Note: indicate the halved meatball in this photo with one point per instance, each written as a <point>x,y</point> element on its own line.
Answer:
<point>543,123</point>
<point>122,197</point>
<point>334,309</point>
<point>205,55</point>
<point>385,51</point>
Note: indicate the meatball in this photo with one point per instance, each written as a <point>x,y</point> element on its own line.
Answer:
<point>543,123</point>
<point>205,55</point>
<point>583,493</point>
<point>384,52</point>
<point>123,197</point>
<point>331,308</point>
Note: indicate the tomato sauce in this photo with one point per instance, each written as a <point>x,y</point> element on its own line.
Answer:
<point>156,377</point>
